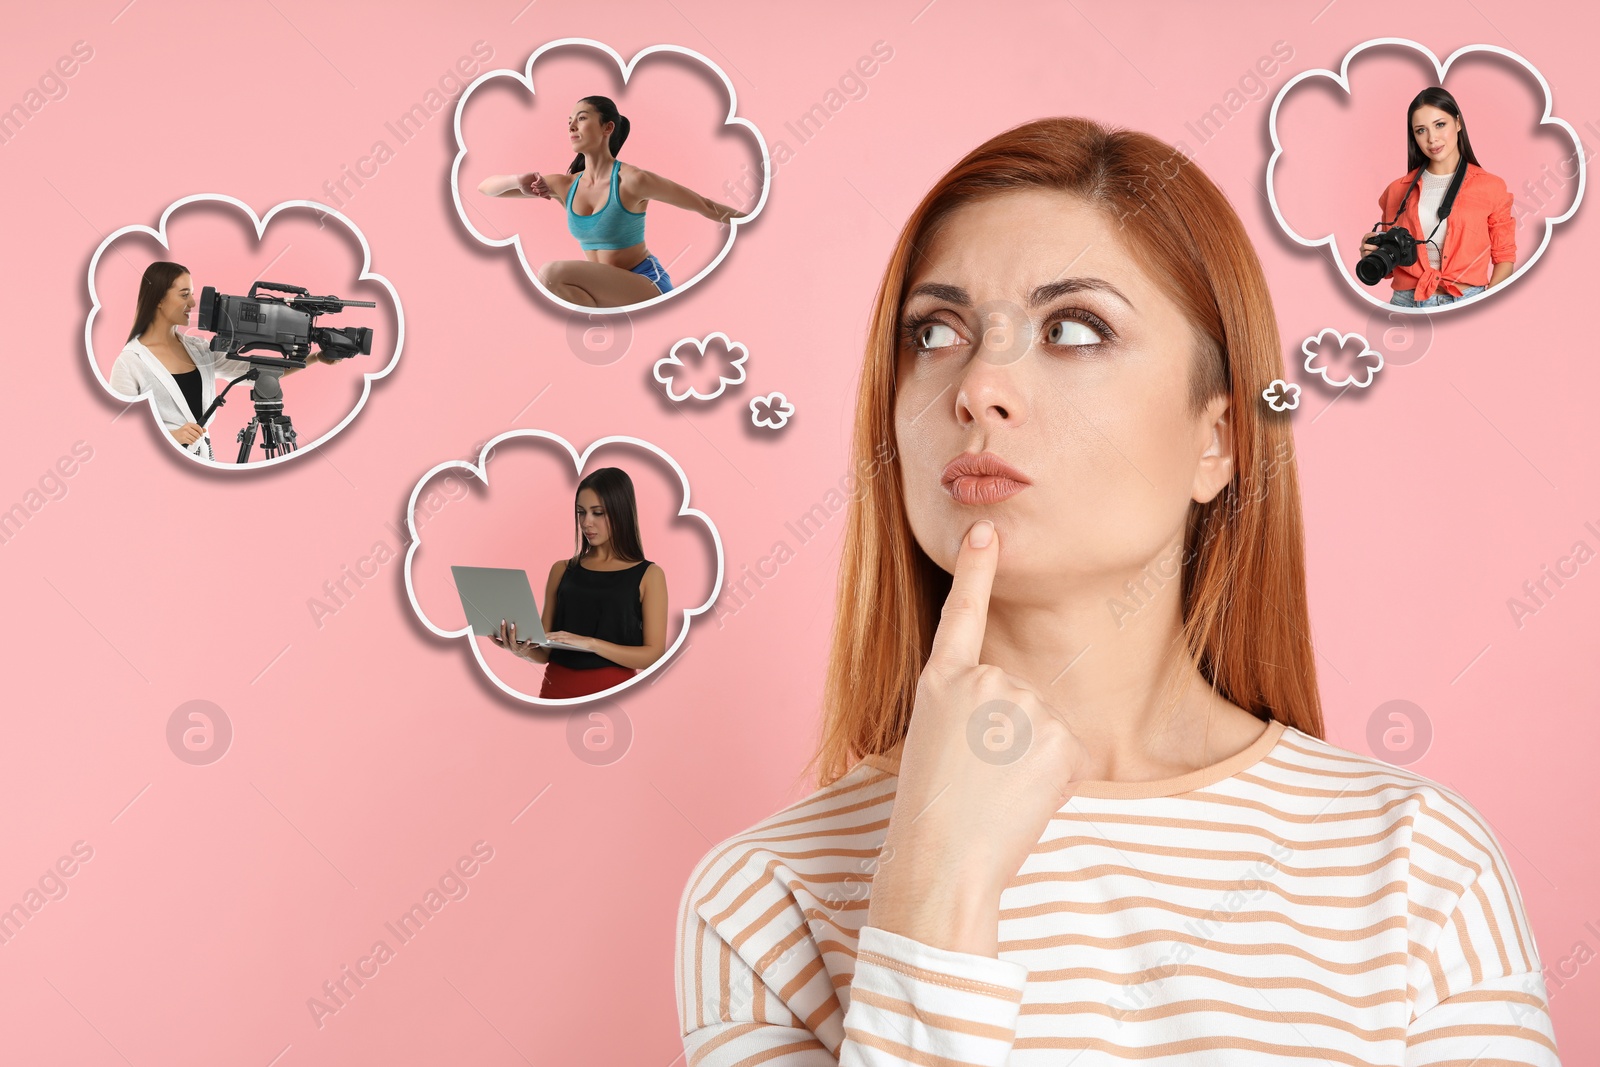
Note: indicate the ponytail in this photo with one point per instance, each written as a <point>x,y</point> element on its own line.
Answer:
<point>608,113</point>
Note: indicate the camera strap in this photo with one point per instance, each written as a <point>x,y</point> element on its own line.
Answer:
<point>1401,209</point>
<point>1444,205</point>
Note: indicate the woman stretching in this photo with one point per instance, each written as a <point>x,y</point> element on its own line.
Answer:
<point>605,201</point>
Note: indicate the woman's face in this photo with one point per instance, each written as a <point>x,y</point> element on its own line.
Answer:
<point>1435,131</point>
<point>593,520</point>
<point>1048,345</point>
<point>175,306</point>
<point>584,127</point>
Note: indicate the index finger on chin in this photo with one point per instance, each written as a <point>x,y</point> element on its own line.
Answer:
<point>958,640</point>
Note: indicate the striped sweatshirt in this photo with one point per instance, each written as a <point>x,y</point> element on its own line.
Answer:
<point>1295,903</point>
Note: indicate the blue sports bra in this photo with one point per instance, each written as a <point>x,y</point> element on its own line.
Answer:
<point>613,226</point>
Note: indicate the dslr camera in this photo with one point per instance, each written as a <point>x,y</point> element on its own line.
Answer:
<point>1394,247</point>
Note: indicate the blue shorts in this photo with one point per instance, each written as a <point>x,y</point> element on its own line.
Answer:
<point>1403,297</point>
<point>650,267</point>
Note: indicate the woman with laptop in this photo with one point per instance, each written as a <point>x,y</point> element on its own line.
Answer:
<point>607,599</point>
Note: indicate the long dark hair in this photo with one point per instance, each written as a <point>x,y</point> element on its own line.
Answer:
<point>1436,96</point>
<point>615,490</point>
<point>158,278</point>
<point>608,113</point>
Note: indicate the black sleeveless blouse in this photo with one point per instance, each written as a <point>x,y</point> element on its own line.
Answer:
<point>189,383</point>
<point>603,604</point>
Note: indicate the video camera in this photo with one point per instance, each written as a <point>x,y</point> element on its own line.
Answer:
<point>285,325</point>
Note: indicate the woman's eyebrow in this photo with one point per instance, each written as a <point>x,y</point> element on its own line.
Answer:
<point>1040,295</point>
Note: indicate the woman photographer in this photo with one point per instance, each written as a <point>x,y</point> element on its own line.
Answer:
<point>607,598</point>
<point>179,371</point>
<point>1472,250</point>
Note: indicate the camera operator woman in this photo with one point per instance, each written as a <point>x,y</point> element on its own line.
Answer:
<point>607,598</point>
<point>179,370</point>
<point>1459,256</point>
<point>1075,804</point>
<point>609,228</point>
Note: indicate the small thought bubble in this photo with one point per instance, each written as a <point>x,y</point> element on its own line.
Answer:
<point>715,354</point>
<point>1281,395</point>
<point>1342,358</point>
<point>771,412</point>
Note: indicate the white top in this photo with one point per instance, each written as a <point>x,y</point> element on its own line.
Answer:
<point>1295,903</point>
<point>137,373</point>
<point>1431,192</point>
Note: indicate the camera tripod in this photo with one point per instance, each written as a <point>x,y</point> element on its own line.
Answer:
<point>277,432</point>
<point>266,394</point>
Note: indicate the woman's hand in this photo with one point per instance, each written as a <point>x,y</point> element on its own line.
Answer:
<point>533,184</point>
<point>188,433</point>
<point>986,762</point>
<point>1367,247</point>
<point>583,641</point>
<point>506,638</point>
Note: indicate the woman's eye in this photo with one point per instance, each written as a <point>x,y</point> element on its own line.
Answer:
<point>934,335</point>
<point>1071,332</point>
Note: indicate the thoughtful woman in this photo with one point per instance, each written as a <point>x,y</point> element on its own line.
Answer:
<point>606,598</point>
<point>1471,250</point>
<point>605,200</point>
<point>178,370</point>
<point>1075,805</point>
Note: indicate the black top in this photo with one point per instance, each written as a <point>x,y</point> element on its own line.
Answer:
<point>603,604</point>
<point>189,382</point>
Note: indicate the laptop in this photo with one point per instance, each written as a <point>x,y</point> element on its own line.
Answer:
<point>489,594</point>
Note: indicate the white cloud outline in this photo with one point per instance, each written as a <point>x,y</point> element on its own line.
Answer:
<point>627,71</point>
<point>783,416</point>
<point>1291,393</point>
<point>1343,81</point>
<point>671,359</point>
<point>480,471</point>
<point>1344,339</point>
<point>260,223</point>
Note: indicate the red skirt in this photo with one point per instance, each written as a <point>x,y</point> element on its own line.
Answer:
<point>561,683</point>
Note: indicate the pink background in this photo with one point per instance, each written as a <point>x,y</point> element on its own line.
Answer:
<point>368,756</point>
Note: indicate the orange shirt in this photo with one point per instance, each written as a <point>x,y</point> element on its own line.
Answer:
<point>1479,232</point>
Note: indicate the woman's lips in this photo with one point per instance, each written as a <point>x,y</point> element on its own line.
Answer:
<point>982,488</point>
<point>981,478</point>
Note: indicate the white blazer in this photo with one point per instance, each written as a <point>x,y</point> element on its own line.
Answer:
<point>137,371</point>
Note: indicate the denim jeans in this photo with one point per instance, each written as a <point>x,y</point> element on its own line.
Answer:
<point>1403,297</point>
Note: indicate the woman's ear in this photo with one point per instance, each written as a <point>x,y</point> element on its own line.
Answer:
<point>1215,439</point>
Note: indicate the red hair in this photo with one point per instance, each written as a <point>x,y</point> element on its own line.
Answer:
<point>1245,620</point>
